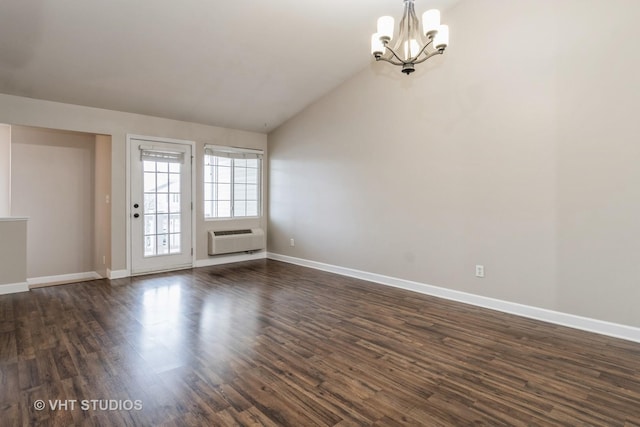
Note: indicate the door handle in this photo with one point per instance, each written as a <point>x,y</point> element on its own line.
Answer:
<point>136,215</point>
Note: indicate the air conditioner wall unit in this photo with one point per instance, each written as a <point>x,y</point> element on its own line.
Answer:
<point>232,241</point>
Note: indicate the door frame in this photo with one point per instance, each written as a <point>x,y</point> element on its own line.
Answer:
<point>128,163</point>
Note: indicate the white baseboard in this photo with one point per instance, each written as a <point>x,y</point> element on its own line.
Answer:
<point>63,278</point>
<point>227,259</point>
<point>117,274</point>
<point>13,288</point>
<point>217,260</point>
<point>616,330</point>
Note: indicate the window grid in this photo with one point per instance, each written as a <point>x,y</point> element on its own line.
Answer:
<point>162,208</point>
<point>231,187</point>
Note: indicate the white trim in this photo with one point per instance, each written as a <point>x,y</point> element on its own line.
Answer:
<point>73,277</point>
<point>127,195</point>
<point>153,139</point>
<point>228,259</point>
<point>194,203</point>
<point>117,274</point>
<point>161,150</point>
<point>616,330</point>
<point>14,218</point>
<point>229,149</point>
<point>14,288</point>
<point>163,270</point>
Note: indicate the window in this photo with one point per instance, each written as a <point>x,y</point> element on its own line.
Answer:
<point>162,209</point>
<point>232,185</point>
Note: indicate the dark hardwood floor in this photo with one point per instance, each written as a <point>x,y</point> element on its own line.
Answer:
<point>267,343</point>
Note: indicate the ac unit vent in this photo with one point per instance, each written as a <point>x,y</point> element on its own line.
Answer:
<point>231,232</point>
<point>231,241</point>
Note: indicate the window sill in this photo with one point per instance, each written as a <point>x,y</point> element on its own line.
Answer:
<point>242,218</point>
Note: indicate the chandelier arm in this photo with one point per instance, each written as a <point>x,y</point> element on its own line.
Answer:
<point>434,53</point>
<point>396,55</point>
<point>389,60</point>
<point>424,48</point>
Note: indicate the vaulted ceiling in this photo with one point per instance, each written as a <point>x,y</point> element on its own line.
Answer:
<point>241,64</point>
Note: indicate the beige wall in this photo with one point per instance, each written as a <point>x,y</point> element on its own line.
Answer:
<point>5,170</point>
<point>13,251</point>
<point>518,150</point>
<point>52,180</point>
<point>598,159</point>
<point>31,112</point>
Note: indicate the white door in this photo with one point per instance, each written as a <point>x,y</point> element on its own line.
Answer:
<point>161,208</point>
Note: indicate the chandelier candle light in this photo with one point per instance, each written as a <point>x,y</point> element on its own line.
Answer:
<point>412,45</point>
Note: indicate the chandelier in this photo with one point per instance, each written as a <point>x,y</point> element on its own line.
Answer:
<point>412,45</point>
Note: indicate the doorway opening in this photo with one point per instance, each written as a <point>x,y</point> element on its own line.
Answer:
<point>61,181</point>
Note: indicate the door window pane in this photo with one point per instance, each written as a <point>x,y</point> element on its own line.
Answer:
<point>149,225</point>
<point>174,246</point>
<point>162,182</point>
<point>174,224</point>
<point>174,183</point>
<point>162,203</point>
<point>163,244</point>
<point>162,208</point>
<point>149,182</point>
<point>149,203</point>
<point>149,245</point>
<point>174,203</point>
<point>162,224</point>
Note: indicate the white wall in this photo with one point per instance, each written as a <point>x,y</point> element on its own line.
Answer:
<point>32,112</point>
<point>517,149</point>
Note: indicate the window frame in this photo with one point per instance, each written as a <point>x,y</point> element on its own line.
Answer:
<point>232,153</point>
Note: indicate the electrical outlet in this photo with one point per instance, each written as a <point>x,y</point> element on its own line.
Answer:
<point>479,270</point>
<point>292,242</point>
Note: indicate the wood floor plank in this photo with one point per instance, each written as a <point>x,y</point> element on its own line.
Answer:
<point>264,343</point>
<point>9,384</point>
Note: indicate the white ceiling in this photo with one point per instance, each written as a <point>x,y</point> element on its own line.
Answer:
<point>241,64</point>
